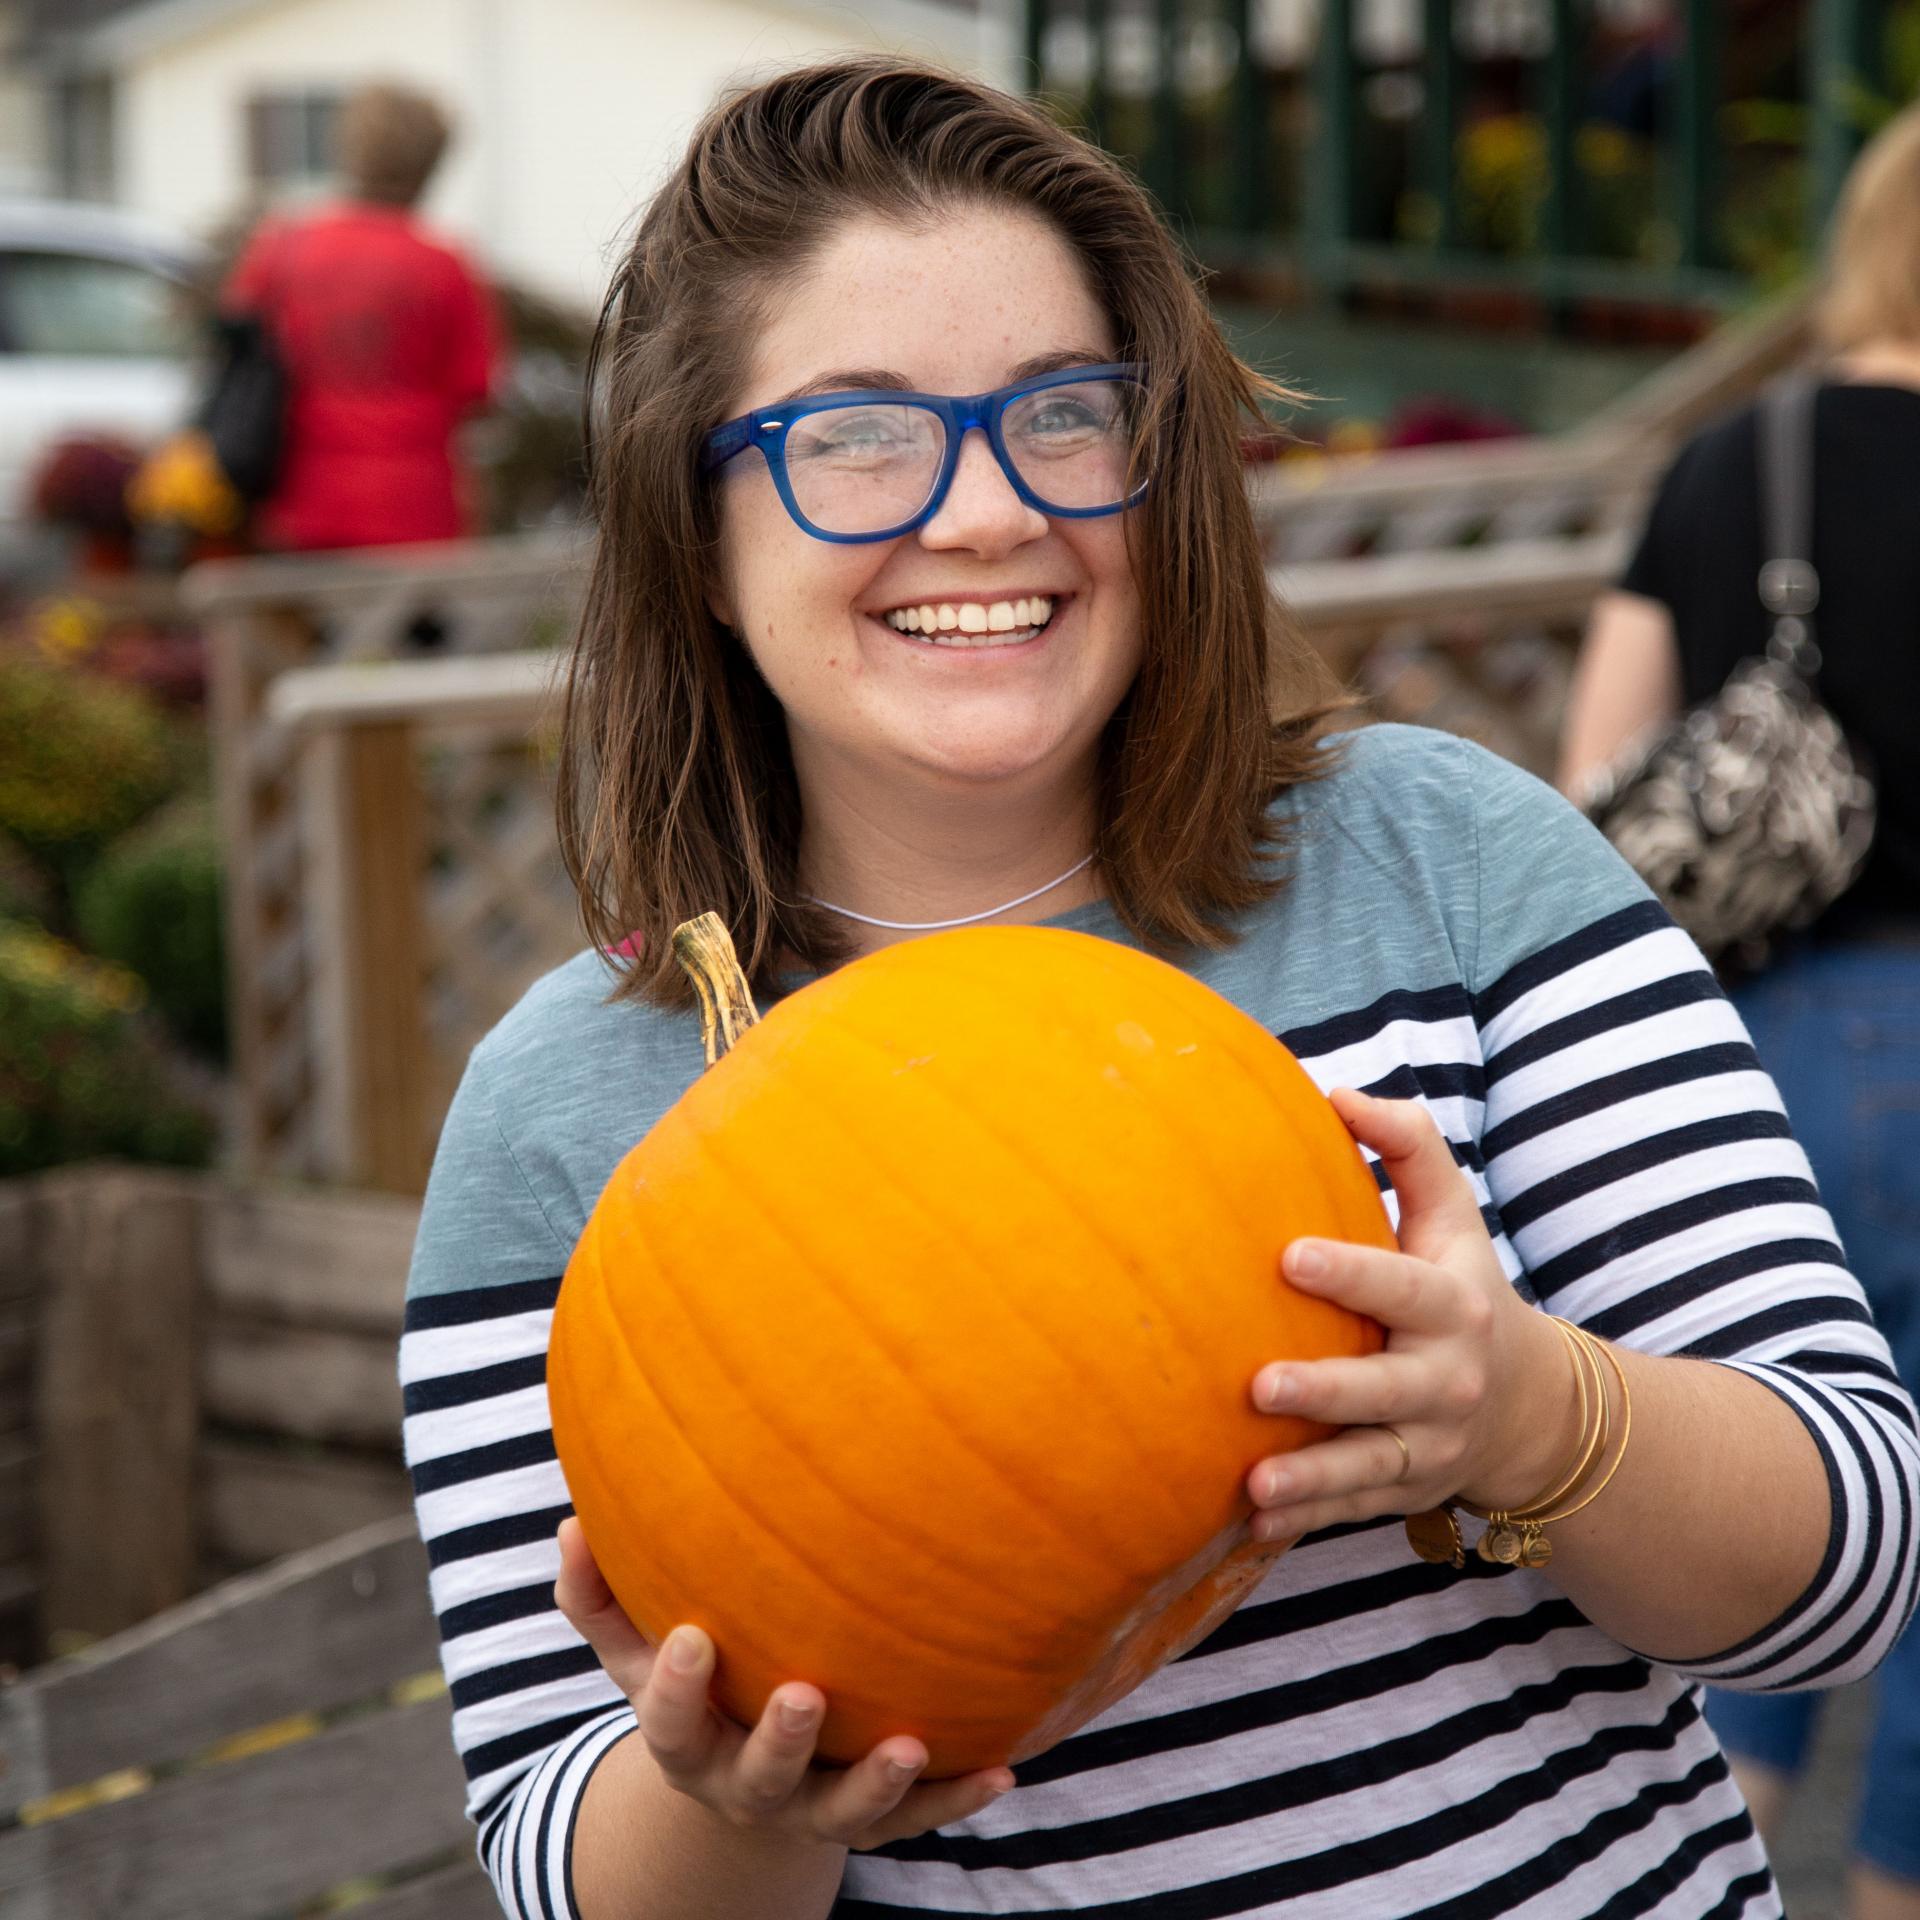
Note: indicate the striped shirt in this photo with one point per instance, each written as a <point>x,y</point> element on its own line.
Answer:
<point>1367,1735</point>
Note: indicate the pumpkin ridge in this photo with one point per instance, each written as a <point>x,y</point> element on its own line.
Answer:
<point>1244,1061</point>
<point>1166,1113</point>
<point>1077,1541</point>
<point>585,1438</point>
<point>1229,1021</point>
<point>1059,1183</point>
<point>1150,1468</point>
<point>889,1625</point>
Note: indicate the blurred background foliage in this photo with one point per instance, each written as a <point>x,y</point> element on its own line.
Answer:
<point>112,1022</point>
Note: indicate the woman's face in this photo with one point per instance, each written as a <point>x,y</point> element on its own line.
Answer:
<point>962,306</point>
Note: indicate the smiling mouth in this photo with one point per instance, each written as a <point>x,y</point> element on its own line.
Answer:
<point>974,623</point>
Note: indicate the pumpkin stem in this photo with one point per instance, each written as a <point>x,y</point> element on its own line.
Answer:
<point>705,952</point>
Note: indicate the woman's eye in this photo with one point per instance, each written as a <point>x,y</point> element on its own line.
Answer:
<point>1069,418</point>
<point>866,436</point>
<point>1065,417</point>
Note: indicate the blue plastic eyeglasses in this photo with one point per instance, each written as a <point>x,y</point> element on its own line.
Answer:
<point>874,465</point>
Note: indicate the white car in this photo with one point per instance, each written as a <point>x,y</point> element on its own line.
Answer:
<point>97,335</point>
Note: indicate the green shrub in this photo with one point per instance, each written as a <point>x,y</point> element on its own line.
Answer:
<point>24,893</point>
<point>79,1078</point>
<point>151,903</point>
<point>81,759</point>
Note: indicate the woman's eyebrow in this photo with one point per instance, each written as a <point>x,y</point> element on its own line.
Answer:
<point>880,380</point>
<point>849,380</point>
<point>1056,362</point>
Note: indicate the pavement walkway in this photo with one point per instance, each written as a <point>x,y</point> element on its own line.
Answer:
<point>1811,1858</point>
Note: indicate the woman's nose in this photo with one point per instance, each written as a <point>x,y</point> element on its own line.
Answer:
<point>981,510</point>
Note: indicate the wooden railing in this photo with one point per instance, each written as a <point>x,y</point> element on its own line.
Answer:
<point>210,1385</point>
<point>280,1739</point>
<point>1591,481</point>
<point>266,617</point>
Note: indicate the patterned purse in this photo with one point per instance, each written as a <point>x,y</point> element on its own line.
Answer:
<point>1752,813</point>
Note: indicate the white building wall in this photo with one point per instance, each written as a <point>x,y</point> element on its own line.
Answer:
<point>602,112</point>
<point>25,161</point>
<point>569,110</point>
<point>180,108</point>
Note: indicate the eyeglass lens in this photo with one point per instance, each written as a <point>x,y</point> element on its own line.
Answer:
<point>862,468</point>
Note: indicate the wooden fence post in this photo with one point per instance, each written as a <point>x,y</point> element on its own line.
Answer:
<point>247,647</point>
<point>118,1249</point>
<point>373,850</point>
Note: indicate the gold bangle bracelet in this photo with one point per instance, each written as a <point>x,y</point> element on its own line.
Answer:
<point>1515,1538</point>
<point>1626,1431</point>
<point>1512,1536</point>
<point>1525,1543</point>
<point>1585,1447</point>
<point>1593,1433</point>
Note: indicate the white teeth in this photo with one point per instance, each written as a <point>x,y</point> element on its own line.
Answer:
<point>946,623</point>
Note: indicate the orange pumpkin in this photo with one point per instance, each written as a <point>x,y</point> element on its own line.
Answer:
<point>910,1354</point>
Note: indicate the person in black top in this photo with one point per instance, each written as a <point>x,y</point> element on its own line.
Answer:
<point>1836,1018</point>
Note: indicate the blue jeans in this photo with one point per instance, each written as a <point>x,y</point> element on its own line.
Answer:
<point>1838,1027</point>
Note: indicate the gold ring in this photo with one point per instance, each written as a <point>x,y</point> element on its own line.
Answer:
<point>1406,1458</point>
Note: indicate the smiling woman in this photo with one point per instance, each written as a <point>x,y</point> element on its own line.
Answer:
<point>1029,385</point>
<point>926,592</point>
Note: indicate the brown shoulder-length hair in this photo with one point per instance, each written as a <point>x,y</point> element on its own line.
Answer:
<point>1873,277</point>
<point>677,791</point>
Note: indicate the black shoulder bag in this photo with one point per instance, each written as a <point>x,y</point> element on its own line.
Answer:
<point>1753,813</point>
<point>244,412</point>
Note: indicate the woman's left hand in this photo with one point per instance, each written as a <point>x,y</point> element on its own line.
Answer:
<point>1476,1385</point>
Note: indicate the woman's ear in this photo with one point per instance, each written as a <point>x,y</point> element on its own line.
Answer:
<point>719,597</point>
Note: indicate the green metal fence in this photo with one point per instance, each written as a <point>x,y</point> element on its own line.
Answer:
<point>1621,149</point>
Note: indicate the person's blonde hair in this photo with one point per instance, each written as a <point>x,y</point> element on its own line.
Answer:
<point>390,139</point>
<point>677,788</point>
<point>1873,275</point>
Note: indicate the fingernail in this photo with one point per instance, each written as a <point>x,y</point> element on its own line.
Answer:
<point>903,1769</point>
<point>683,1649</point>
<point>1305,1259</point>
<point>1282,1390</point>
<point>1003,1786</point>
<point>1275,1485</point>
<point>794,1716</point>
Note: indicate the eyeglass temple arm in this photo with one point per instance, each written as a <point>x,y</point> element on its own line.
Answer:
<point>724,442</point>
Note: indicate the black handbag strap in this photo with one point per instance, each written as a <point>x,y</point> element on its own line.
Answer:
<point>1789,585</point>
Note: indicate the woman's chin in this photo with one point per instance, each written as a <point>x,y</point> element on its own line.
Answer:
<point>984,761</point>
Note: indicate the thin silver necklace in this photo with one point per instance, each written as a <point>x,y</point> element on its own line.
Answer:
<point>965,920</point>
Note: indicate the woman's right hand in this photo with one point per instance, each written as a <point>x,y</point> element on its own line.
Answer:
<point>761,1779</point>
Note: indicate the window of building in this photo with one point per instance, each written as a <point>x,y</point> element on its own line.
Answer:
<point>290,139</point>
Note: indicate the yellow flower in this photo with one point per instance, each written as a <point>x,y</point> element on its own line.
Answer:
<point>36,958</point>
<point>181,481</point>
<point>65,629</point>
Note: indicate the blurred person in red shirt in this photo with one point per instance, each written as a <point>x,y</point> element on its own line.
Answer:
<point>387,337</point>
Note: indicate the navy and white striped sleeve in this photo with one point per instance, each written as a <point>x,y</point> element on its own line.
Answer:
<point>533,1712</point>
<point>1644,1169</point>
